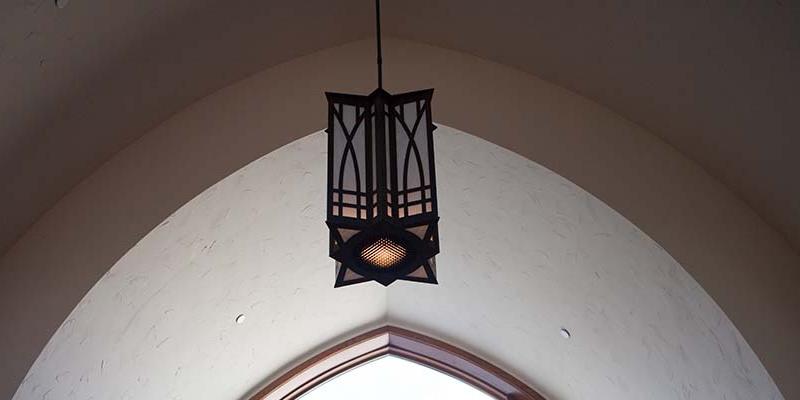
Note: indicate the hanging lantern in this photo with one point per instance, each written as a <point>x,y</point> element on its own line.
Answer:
<point>382,208</point>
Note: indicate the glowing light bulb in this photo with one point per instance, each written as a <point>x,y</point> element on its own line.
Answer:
<point>383,253</point>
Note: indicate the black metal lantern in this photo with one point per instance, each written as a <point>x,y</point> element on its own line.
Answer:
<point>382,208</point>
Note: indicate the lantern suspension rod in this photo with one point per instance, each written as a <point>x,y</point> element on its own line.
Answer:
<point>378,36</point>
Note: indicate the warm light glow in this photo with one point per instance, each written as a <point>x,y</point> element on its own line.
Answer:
<point>384,253</point>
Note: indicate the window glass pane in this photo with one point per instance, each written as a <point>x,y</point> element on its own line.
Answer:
<point>392,378</point>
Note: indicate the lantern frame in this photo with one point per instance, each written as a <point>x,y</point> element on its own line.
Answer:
<point>392,190</point>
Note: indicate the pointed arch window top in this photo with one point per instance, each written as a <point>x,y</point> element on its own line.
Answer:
<point>394,378</point>
<point>322,370</point>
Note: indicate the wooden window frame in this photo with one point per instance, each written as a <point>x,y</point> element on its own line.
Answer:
<point>403,343</point>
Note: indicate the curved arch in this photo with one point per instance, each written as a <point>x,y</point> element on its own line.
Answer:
<point>527,253</point>
<point>610,157</point>
<point>399,342</point>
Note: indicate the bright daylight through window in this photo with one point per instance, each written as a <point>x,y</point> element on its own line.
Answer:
<point>393,378</point>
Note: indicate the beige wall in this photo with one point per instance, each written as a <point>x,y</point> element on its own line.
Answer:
<point>525,253</point>
<point>741,262</point>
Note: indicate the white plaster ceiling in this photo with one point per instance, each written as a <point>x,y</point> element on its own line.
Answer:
<point>717,80</point>
<point>525,253</point>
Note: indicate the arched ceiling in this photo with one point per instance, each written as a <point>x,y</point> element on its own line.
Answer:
<point>161,323</point>
<point>717,81</point>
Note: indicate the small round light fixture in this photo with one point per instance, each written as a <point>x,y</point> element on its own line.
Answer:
<point>240,319</point>
<point>565,333</point>
<point>61,3</point>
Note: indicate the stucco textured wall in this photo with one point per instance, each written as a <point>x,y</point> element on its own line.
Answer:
<point>524,253</point>
<point>161,323</point>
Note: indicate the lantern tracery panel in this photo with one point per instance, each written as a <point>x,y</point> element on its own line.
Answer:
<point>414,186</point>
<point>351,183</point>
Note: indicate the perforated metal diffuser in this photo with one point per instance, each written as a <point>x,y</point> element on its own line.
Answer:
<point>383,253</point>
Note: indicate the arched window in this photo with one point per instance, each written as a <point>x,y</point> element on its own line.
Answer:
<point>420,361</point>
<point>394,378</point>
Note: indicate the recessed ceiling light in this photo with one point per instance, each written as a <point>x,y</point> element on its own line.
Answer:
<point>61,3</point>
<point>240,319</point>
<point>565,333</point>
